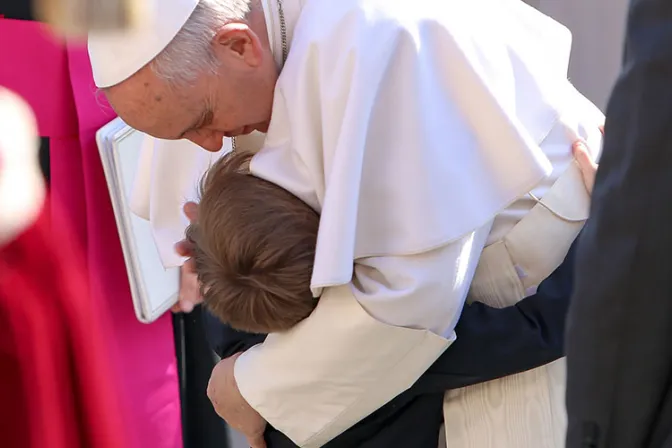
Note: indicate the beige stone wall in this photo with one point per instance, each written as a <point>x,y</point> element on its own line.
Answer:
<point>598,28</point>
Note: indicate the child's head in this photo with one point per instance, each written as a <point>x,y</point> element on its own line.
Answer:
<point>254,249</point>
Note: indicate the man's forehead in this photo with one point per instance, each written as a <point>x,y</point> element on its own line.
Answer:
<point>149,106</point>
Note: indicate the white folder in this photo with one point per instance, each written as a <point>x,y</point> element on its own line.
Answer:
<point>154,289</point>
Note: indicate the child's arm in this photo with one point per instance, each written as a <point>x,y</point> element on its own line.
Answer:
<point>508,340</point>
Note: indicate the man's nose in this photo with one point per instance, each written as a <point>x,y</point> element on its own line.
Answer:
<point>210,142</point>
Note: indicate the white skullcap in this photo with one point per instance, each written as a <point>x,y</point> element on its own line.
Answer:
<point>116,56</point>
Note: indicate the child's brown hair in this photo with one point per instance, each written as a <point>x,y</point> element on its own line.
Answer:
<point>254,248</point>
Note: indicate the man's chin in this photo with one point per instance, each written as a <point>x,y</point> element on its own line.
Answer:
<point>262,127</point>
<point>236,132</point>
<point>246,130</point>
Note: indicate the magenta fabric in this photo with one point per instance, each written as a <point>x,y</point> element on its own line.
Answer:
<point>34,64</point>
<point>56,80</point>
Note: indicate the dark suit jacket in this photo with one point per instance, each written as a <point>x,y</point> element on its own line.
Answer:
<point>619,336</point>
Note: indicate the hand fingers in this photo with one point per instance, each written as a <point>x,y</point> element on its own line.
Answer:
<point>186,306</point>
<point>586,164</point>
<point>189,267</point>
<point>190,294</point>
<point>183,306</point>
<point>184,248</point>
<point>256,441</point>
<point>583,157</point>
<point>210,392</point>
<point>233,357</point>
<point>602,129</point>
<point>191,210</point>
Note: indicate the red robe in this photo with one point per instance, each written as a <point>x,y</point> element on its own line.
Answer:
<point>55,79</point>
<point>57,389</point>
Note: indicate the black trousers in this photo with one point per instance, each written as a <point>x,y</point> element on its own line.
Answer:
<point>492,343</point>
<point>201,426</point>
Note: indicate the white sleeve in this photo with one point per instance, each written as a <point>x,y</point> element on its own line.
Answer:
<point>365,343</point>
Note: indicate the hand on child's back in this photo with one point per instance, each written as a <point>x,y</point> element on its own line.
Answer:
<point>586,163</point>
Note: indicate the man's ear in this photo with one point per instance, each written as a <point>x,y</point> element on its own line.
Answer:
<point>236,42</point>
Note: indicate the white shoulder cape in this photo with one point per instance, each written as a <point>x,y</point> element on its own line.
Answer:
<point>410,124</point>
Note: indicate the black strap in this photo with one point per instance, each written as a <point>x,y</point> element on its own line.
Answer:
<point>201,426</point>
<point>45,160</point>
<point>16,9</point>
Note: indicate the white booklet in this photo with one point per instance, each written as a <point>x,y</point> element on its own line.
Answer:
<point>154,289</point>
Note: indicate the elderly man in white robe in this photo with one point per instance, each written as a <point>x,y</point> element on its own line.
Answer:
<point>434,139</point>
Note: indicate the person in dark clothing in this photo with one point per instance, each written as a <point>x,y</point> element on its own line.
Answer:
<point>619,336</point>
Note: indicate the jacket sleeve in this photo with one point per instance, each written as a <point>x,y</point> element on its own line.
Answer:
<point>497,342</point>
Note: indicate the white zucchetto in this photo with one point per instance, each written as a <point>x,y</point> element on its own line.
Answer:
<point>116,56</point>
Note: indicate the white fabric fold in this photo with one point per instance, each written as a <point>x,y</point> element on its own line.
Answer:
<point>167,178</point>
<point>386,132</point>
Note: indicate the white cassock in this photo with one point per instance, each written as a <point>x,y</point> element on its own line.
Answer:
<point>428,135</point>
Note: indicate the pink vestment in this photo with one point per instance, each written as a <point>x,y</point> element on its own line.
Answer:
<point>55,79</point>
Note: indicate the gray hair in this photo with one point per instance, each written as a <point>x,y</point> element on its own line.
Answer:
<point>190,53</point>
